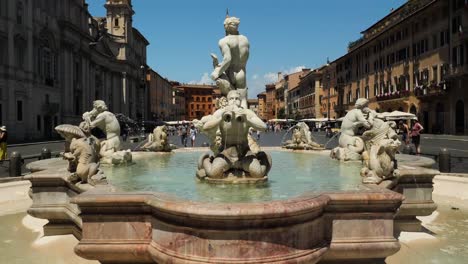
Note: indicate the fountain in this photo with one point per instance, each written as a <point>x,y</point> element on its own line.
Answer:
<point>312,209</point>
<point>158,141</point>
<point>302,139</point>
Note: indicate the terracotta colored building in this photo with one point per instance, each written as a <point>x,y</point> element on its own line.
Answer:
<point>198,99</point>
<point>415,60</point>
<point>262,105</point>
<point>253,105</point>
<point>270,97</point>
<point>293,92</point>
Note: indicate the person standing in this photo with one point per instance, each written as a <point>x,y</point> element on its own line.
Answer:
<point>183,135</point>
<point>405,132</point>
<point>416,136</point>
<point>3,143</point>
<point>193,134</point>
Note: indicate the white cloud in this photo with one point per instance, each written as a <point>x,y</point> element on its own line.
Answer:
<point>270,77</point>
<point>293,69</point>
<point>205,79</point>
<point>257,84</point>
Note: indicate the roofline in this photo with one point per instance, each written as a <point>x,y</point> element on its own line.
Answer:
<point>392,26</point>
<point>141,35</point>
<point>385,17</point>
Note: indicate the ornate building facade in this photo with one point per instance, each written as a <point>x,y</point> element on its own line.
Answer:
<point>413,60</point>
<point>56,59</point>
<point>199,99</point>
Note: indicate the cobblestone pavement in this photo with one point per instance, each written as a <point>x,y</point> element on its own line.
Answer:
<point>430,146</point>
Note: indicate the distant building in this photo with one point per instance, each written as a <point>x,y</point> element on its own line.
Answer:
<point>198,99</point>
<point>253,105</point>
<point>270,99</point>
<point>56,59</point>
<point>160,97</point>
<point>310,86</point>
<point>262,106</point>
<point>413,60</point>
<point>280,98</point>
<point>293,92</point>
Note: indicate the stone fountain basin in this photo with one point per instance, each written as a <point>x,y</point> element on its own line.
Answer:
<point>135,227</point>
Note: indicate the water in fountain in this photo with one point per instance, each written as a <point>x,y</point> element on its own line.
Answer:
<point>287,132</point>
<point>336,136</point>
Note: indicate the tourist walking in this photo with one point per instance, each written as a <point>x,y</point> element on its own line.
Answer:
<point>405,132</point>
<point>183,135</point>
<point>3,143</point>
<point>193,134</point>
<point>416,136</point>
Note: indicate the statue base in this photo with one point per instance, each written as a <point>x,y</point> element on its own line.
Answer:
<point>299,147</point>
<point>231,177</point>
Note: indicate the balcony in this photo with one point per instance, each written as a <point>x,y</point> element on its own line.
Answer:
<point>392,95</point>
<point>432,90</point>
<point>457,71</point>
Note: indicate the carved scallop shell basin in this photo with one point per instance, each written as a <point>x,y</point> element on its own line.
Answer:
<point>293,173</point>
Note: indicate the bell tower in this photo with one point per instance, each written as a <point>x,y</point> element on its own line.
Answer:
<point>119,19</point>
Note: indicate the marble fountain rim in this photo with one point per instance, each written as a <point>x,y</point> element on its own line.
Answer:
<point>106,198</point>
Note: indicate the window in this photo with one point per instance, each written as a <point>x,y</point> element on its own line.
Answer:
<point>434,41</point>
<point>456,24</point>
<point>444,37</point>
<point>19,12</point>
<point>434,73</point>
<point>458,55</point>
<point>376,89</point>
<point>38,122</point>
<point>3,49</point>
<point>20,49</point>
<point>366,91</point>
<point>116,22</point>
<point>19,110</point>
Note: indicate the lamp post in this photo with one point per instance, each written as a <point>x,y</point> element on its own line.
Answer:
<point>328,85</point>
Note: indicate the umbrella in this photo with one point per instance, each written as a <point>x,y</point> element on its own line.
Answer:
<point>397,115</point>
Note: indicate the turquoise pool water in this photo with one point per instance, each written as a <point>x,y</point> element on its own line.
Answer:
<point>293,174</point>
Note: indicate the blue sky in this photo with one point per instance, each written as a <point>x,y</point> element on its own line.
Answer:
<point>283,35</point>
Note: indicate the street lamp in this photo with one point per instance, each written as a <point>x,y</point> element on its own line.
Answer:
<point>328,85</point>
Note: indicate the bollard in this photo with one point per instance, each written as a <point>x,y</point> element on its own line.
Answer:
<point>15,164</point>
<point>45,154</point>
<point>444,160</point>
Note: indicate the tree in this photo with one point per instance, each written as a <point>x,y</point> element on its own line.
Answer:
<point>281,113</point>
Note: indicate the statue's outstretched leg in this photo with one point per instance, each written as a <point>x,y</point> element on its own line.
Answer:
<point>217,168</point>
<point>257,167</point>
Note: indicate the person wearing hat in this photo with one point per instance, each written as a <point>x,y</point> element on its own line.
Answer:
<point>3,143</point>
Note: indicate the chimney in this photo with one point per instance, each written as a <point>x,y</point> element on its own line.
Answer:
<point>280,76</point>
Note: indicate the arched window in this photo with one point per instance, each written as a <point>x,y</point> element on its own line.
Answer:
<point>19,12</point>
<point>20,49</point>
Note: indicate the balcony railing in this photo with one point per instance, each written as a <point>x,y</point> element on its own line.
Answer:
<point>456,71</point>
<point>432,90</point>
<point>392,95</point>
